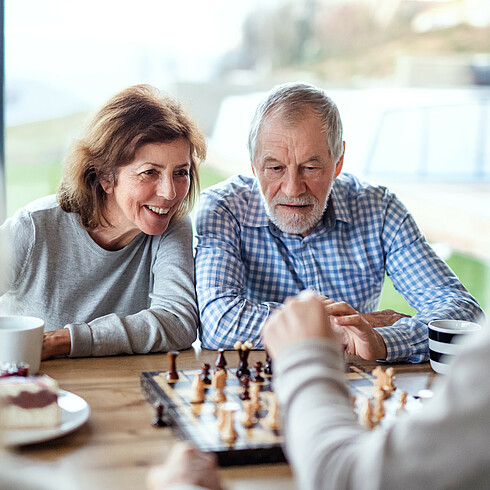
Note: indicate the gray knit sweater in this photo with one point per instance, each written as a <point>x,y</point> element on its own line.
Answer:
<point>136,300</point>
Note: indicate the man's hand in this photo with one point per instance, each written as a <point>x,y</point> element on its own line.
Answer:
<point>56,343</point>
<point>186,465</point>
<point>358,334</point>
<point>302,317</point>
<point>383,318</point>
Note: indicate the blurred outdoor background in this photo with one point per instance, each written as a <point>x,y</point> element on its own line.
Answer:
<point>411,79</point>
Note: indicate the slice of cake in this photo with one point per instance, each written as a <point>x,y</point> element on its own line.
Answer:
<point>29,402</point>
<point>13,369</point>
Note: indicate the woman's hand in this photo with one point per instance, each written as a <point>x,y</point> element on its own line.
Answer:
<point>302,317</point>
<point>56,343</point>
<point>185,466</point>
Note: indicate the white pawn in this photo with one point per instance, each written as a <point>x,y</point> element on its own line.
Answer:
<point>220,417</point>
<point>254,396</point>
<point>366,415</point>
<point>219,383</point>
<point>271,420</point>
<point>228,433</point>
<point>247,416</point>
<point>379,409</point>
<point>197,394</point>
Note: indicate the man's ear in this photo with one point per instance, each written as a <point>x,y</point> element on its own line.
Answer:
<point>253,169</point>
<point>340,163</point>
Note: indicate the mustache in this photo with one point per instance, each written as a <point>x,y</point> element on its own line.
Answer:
<point>294,201</point>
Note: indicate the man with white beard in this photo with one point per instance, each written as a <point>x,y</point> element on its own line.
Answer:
<point>301,224</point>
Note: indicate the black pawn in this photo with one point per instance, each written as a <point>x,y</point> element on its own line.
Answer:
<point>243,364</point>
<point>244,380</point>
<point>205,374</point>
<point>268,364</point>
<point>221,361</point>
<point>159,420</point>
<point>258,372</point>
<point>172,374</point>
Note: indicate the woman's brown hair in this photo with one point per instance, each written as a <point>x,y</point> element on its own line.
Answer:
<point>132,118</point>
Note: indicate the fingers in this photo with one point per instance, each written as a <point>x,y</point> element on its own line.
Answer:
<point>186,465</point>
<point>301,317</point>
<point>355,322</point>
<point>340,308</point>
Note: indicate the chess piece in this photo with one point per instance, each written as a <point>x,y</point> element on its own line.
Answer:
<point>197,393</point>
<point>245,382</point>
<point>172,374</point>
<point>384,379</point>
<point>247,416</point>
<point>379,410</point>
<point>271,420</point>
<point>243,352</point>
<point>403,402</point>
<point>220,417</point>
<point>228,433</point>
<point>268,364</point>
<point>160,420</point>
<point>390,373</point>
<point>219,383</point>
<point>257,377</point>
<point>254,397</point>
<point>353,400</point>
<point>366,415</point>
<point>221,361</point>
<point>205,374</point>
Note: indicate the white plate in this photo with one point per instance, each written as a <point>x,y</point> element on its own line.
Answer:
<point>75,412</point>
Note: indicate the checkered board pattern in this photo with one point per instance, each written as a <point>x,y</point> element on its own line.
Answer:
<point>197,422</point>
<point>257,445</point>
<point>361,385</point>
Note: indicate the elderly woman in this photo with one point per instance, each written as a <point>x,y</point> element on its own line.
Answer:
<point>108,262</point>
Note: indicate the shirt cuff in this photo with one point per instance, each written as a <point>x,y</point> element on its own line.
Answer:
<point>81,339</point>
<point>398,342</point>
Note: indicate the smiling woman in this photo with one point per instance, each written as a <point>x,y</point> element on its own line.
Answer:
<point>107,263</point>
<point>147,194</point>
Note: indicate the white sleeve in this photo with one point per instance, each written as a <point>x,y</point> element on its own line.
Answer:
<point>445,445</point>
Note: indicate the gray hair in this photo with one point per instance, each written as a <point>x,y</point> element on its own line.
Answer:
<point>292,100</point>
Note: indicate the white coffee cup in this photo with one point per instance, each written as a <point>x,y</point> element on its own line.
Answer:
<point>445,337</point>
<point>21,340</point>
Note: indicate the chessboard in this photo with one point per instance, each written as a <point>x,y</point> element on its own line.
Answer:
<point>197,422</point>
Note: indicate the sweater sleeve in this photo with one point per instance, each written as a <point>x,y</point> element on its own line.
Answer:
<point>17,236</point>
<point>329,449</point>
<point>170,322</point>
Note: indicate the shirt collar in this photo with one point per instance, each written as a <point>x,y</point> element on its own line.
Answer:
<point>336,210</point>
<point>256,216</point>
<point>339,198</point>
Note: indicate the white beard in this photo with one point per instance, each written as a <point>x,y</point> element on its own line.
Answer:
<point>295,223</point>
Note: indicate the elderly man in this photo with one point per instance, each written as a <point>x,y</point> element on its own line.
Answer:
<point>301,224</point>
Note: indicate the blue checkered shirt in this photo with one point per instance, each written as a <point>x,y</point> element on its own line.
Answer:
<point>246,267</point>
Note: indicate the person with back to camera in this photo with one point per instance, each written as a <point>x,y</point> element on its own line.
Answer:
<point>446,445</point>
<point>300,223</point>
<point>108,262</point>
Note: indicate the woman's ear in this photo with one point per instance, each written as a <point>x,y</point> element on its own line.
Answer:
<point>107,185</point>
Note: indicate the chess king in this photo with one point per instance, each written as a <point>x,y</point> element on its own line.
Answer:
<point>299,224</point>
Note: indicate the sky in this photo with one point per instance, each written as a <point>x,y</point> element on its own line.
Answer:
<point>95,47</point>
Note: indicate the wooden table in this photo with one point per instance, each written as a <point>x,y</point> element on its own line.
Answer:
<point>118,444</point>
